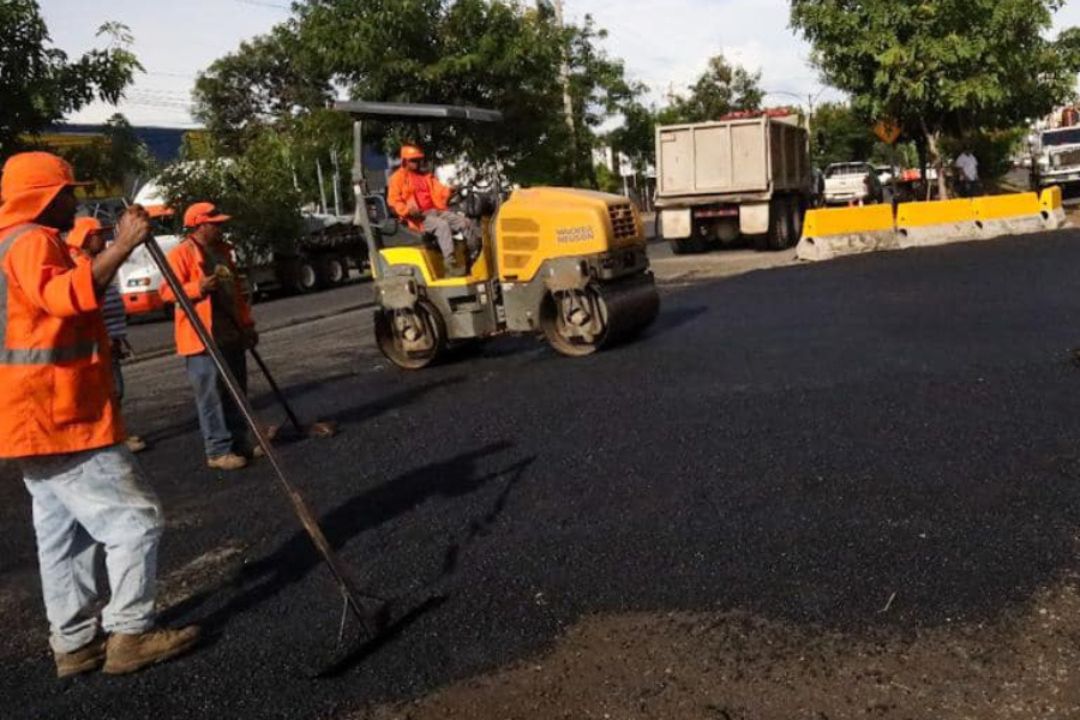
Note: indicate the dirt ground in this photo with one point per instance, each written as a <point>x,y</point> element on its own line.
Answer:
<point>741,667</point>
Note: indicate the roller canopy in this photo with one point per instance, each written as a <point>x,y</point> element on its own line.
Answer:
<point>407,111</point>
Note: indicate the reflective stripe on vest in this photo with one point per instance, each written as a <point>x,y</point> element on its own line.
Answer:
<point>32,356</point>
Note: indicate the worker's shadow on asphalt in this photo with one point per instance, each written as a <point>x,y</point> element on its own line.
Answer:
<point>267,406</point>
<point>296,557</point>
<point>426,596</point>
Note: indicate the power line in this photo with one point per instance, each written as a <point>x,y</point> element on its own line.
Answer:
<point>262,3</point>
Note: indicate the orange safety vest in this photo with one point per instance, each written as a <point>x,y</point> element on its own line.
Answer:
<point>401,193</point>
<point>187,260</point>
<point>56,384</point>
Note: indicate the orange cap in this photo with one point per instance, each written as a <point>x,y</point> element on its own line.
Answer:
<point>84,227</point>
<point>202,213</point>
<point>29,184</point>
<point>411,152</point>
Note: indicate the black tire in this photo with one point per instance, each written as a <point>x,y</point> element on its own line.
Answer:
<point>392,345</point>
<point>780,224</point>
<point>798,210</point>
<point>302,277</point>
<point>331,270</point>
<point>695,244</point>
<point>679,247</point>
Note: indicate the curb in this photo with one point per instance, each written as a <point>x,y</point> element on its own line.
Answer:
<point>159,353</point>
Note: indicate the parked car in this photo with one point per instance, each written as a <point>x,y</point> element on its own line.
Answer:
<point>852,182</point>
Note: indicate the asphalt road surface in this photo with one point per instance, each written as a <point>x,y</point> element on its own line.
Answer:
<point>876,453</point>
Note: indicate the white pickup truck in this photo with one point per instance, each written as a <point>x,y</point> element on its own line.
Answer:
<point>1057,158</point>
<point>852,182</point>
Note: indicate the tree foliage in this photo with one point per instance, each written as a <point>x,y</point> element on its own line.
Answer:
<point>117,158</point>
<point>722,89</point>
<point>838,134</point>
<point>494,54</point>
<point>40,84</point>
<point>256,188</point>
<point>943,68</point>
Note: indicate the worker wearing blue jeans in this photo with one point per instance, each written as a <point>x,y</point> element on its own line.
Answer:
<point>224,429</point>
<point>79,501</point>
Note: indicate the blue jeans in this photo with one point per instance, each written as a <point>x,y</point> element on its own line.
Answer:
<point>223,427</point>
<point>82,501</point>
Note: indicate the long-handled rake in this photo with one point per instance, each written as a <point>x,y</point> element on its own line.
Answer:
<point>366,608</point>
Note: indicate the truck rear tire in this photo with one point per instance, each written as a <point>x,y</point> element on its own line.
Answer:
<point>303,276</point>
<point>781,224</point>
<point>331,271</point>
<point>698,242</point>
<point>686,246</point>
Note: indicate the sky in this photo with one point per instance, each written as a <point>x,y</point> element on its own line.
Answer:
<point>664,44</point>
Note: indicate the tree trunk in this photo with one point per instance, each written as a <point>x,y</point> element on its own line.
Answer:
<point>933,140</point>
<point>924,164</point>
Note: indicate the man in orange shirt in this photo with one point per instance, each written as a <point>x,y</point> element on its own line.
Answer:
<point>422,202</point>
<point>61,424</point>
<point>204,265</point>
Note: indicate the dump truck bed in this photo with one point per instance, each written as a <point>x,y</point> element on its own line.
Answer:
<point>755,156</point>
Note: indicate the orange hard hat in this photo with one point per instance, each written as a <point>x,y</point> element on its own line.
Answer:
<point>30,182</point>
<point>202,213</point>
<point>84,227</point>
<point>411,152</point>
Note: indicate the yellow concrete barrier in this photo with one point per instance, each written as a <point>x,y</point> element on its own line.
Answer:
<point>941,212</point>
<point>935,223</point>
<point>846,231</point>
<point>998,207</point>
<point>1019,214</point>
<point>1052,208</point>
<point>830,232</point>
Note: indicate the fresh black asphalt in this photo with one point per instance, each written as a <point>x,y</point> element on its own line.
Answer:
<point>799,443</point>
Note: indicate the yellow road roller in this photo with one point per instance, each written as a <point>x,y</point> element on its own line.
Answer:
<point>570,264</point>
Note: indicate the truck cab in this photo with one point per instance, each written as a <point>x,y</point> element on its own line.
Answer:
<point>1057,158</point>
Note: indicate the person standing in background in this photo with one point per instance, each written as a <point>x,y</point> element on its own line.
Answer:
<point>87,239</point>
<point>968,165</point>
<point>204,265</point>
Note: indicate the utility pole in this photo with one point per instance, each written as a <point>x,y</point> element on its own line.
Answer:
<point>564,76</point>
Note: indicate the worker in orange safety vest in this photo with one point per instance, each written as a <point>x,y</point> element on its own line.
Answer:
<point>422,202</point>
<point>87,240</point>
<point>61,425</point>
<point>204,265</point>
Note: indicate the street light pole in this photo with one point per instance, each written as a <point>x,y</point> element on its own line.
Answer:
<point>564,77</point>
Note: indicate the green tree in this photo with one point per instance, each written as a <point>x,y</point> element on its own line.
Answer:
<point>840,135</point>
<point>115,159</point>
<point>721,89</point>
<point>256,188</point>
<point>40,84</point>
<point>494,54</point>
<point>942,68</point>
<point>267,80</point>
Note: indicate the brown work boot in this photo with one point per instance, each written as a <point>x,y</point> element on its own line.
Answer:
<point>129,653</point>
<point>135,443</point>
<point>86,659</point>
<point>232,461</point>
